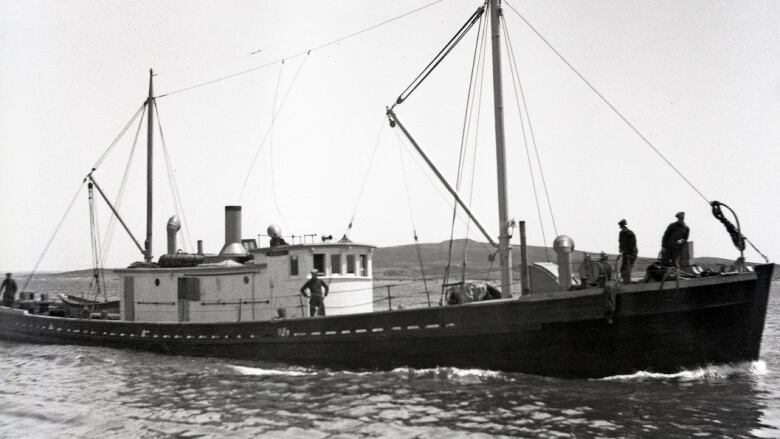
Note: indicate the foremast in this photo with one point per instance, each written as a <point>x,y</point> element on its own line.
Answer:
<point>149,168</point>
<point>504,247</point>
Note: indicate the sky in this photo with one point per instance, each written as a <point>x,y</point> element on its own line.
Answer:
<point>699,79</point>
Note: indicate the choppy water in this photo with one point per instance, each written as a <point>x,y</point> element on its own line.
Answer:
<point>65,391</point>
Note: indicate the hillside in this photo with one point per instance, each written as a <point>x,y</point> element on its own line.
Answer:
<point>401,262</point>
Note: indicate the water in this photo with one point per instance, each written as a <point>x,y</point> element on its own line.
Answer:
<point>66,391</point>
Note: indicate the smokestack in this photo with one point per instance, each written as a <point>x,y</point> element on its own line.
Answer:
<point>232,224</point>
<point>233,246</point>
<point>200,246</point>
<point>564,246</point>
<point>173,227</point>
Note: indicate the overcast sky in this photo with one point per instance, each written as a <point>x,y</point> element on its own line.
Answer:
<point>700,79</point>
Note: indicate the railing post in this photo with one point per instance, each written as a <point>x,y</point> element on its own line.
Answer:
<point>389,299</point>
<point>303,308</point>
<point>428,294</point>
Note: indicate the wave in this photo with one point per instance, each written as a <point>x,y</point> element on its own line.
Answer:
<point>451,373</point>
<point>754,368</point>
<point>256,371</point>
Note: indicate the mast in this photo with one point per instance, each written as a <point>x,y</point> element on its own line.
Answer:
<point>149,168</point>
<point>504,248</point>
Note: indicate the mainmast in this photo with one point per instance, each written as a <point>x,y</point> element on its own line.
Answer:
<point>504,248</point>
<point>149,168</point>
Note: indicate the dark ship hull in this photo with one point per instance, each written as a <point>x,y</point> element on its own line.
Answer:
<point>652,327</point>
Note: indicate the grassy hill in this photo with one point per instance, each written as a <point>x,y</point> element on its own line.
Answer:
<point>402,262</point>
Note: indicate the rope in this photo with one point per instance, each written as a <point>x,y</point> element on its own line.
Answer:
<point>735,232</point>
<point>464,140</point>
<point>273,118</point>
<point>766,259</point>
<point>365,177</point>
<point>271,146</point>
<point>56,229</point>
<point>445,197</point>
<point>474,156</point>
<point>120,194</point>
<point>121,133</point>
<point>511,52</point>
<point>177,203</point>
<point>609,104</point>
<point>411,216</point>
<point>305,52</point>
<point>518,92</point>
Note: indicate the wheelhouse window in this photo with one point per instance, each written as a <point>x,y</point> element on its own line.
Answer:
<point>364,265</point>
<point>350,264</point>
<point>293,265</point>
<point>335,264</point>
<point>319,262</point>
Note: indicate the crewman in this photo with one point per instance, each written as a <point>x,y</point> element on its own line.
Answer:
<point>315,286</point>
<point>606,269</point>
<point>628,251</point>
<point>675,238</point>
<point>9,290</point>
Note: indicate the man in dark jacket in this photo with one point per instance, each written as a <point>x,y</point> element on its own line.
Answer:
<point>628,251</point>
<point>9,290</point>
<point>675,238</point>
<point>315,286</point>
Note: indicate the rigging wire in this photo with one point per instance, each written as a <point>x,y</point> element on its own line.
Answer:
<point>411,212</point>
<point>177,203</point>
<point>98,277</point>
<point>515,80</point>
<point>56,229</point>
<point>305,52</point>
<point>445,197</point>
<point>440,56</point>
<point>473,178</point>
<point>121,133</point>
<point>609,104</point>
<point>273,119</point>
<point>464,140</point>
<point>511,54</point>
<point>474,157</point>
<point>365,177</point>
<point>120,194</point>
<point>271,147</point>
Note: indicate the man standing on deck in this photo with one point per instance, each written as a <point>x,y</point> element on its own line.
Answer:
<point>315,285</point>
<point>675,238</point>
<point>9,290</point>
<point>628,251</point>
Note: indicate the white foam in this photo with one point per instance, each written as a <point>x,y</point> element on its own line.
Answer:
<point>702,373</point>
<point>256,371</point>
<point>450,372</point>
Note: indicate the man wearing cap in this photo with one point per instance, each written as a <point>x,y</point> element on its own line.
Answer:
<point>628,251</point>
<point>315,285</point>
<point>675,238</point>
<point>9,290</point>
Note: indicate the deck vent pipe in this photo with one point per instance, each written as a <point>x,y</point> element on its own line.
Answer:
<point>564,246</point>
<point>173,227</point>
<point>200,246</point>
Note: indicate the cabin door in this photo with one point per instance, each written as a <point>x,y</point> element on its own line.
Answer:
<point>184,310</point>
<point>129,296</point>
<point>188,290</point>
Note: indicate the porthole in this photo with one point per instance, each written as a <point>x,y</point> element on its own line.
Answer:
<point>157,282</point>
<point>246,279</point>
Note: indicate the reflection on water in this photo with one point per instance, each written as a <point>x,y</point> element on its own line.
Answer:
<point>66,391</point>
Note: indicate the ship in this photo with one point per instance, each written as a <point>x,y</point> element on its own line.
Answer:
<point>244,302</point>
